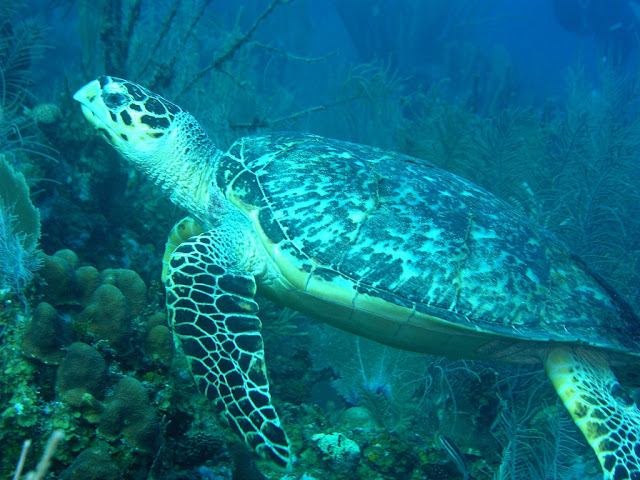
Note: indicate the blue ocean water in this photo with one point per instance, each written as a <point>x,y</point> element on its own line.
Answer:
<point>534,101</point>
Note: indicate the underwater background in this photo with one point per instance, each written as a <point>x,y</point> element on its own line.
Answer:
<point>536,100</point>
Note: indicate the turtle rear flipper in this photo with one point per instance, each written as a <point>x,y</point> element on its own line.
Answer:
<point>213,313</point>
<point>607,416</point>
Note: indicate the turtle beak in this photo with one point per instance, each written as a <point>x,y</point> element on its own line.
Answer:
<point>94,109</point>
<point>86,96</point>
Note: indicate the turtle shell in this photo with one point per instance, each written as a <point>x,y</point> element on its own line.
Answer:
<point>395,249</point>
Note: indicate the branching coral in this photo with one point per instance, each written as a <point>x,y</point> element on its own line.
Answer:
<point>117,38</point>
<point>537,442</point>
<point>591,162</point>
<point>45,461</point>
<point>20,44</point>
<point>20,41</point>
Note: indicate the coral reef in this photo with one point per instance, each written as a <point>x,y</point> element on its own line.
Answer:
<point>571,165</point>
<point>97,396</point>
<point>71,381</point>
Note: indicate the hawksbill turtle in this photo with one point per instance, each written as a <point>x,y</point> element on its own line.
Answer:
<point>373,242</point>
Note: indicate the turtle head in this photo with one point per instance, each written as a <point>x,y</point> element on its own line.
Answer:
<point>155,135</point>
<point>134,120</point>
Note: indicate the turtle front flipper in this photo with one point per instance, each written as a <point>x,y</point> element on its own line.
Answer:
<point>602,410</point>
<point>210,299</point>
<point>181,232</point>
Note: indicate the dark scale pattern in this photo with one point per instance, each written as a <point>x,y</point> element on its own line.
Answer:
<point>158,123</point>
<point>410,232</point>
<point>224,348</point>
<point>138,93</point>
<point>155,106</point>
<point>126,118</point>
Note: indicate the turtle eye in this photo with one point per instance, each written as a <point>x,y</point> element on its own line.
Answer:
<point>114,100</point>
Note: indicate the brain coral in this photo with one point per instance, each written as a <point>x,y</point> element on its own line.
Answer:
<point>47,113</point>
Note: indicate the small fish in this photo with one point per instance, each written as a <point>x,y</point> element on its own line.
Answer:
<point>615,26</point>
<point>455,454</point>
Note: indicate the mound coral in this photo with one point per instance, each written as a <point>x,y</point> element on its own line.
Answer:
<point>88,280</point>
<point>106,317</point>
<point>111,298</point>
<point>45,113</point>
<point>129,412</point>
<point>81,379</point>
<point>59,276</point>
<point>45,335</point>
<point>159,343</point>
<point>130,284</point>
<point>92,464</point>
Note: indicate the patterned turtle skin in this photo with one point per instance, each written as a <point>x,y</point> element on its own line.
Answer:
<point>376,243</point>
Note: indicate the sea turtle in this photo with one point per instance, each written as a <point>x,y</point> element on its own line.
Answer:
<point>376,243</point>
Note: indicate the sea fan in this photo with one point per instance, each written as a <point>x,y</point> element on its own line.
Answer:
<point>18,256</point>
